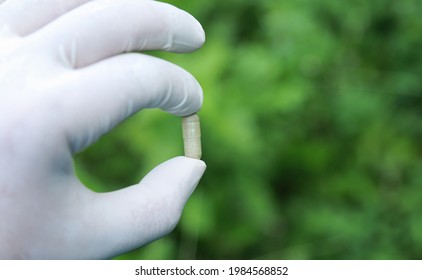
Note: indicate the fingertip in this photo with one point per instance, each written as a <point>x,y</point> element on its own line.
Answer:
<point>180,173</point>
<point>193,168</point>
<point>199,36</point>
<point>202,37</point>
<point>189,35</point>
<point>197,165</point>
<point>193,98</point>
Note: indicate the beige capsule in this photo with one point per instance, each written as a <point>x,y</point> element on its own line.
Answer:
<point>192,136</point>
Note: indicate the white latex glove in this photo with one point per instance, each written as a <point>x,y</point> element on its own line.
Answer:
<point>64,82</point>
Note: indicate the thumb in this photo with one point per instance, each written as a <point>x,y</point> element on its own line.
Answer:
<point>129,218</point>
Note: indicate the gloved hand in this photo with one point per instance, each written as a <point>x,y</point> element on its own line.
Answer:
<point>64,82</point>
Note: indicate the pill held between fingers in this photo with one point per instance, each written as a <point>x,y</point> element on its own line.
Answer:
<point>192,136</point>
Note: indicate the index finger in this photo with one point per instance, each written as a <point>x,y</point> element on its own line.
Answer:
<point>24,17</point>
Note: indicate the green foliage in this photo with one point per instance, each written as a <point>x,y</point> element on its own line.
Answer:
<point>311,133</point>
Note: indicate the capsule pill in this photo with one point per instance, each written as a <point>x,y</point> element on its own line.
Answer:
<point>192,136</point>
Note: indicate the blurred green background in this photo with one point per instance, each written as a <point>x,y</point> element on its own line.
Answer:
<point>311,132</point>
